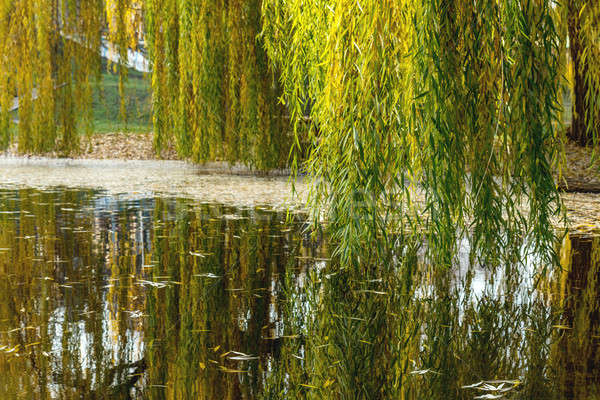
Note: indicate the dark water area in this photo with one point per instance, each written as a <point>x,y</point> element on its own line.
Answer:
<point>121,297</point>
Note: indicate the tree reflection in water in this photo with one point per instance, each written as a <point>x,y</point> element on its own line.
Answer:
<point>123,297</point>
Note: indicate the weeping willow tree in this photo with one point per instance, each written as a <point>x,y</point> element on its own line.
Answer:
<point>50,53</point>
<point>215,96</point>
<point>122,36</point>
<point>437,113</point>
<point>431,121</point>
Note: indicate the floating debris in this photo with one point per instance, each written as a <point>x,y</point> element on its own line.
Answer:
<point>232,371</point>
<point>238,356</point>
<point>498,386</point>
<point>153,284</point>
<point>207,275</point>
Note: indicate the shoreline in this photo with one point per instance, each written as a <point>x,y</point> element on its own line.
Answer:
<point>126,163</point>
<point>212,183</point>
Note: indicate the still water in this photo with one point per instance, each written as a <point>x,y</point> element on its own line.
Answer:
<point>117,297</point>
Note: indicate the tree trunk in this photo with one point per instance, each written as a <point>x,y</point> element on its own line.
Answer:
<point>578,131</point>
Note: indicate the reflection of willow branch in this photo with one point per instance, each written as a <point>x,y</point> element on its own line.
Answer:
<point>124,388</point>
<point>38,371</point>
<point>118,390</point>
<point>22,342</point>
<point>575,353</point>
<point>21,339</point>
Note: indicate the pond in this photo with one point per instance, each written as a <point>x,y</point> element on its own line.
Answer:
<point>127,296</point>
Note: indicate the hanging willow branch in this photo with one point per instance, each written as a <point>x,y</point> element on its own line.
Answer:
<point>212,83</point>
<point>590,68</point>
<point>50,55</point>
<point>121,35</point>
<point>6,88</point>
<point>455,97</point>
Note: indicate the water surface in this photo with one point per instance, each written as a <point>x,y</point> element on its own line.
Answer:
<point>126,296</point>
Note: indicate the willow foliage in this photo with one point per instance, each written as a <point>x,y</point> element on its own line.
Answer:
<point>452,103</point>
<point>214,95</point>
<point>120,15</point>
<point>50,55</point>
<point>582,19</point>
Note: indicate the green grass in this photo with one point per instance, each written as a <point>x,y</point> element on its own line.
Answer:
<point>138,100</point>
